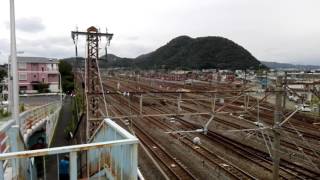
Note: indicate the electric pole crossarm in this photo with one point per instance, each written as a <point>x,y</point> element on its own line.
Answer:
<point>108,35</point>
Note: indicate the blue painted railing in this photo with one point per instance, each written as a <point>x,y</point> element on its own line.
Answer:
<point>111,154</point>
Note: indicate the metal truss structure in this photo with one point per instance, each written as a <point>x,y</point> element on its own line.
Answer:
<point>96,106</point>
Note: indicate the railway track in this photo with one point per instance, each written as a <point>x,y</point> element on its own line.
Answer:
<point>263,115</point>
<point>288,144</point>
<point>236,173</point>
<point>292,169</point>
<point>211,158</point>
<point>174,169</point>
<point>260,157</point>
<point>261,161</point>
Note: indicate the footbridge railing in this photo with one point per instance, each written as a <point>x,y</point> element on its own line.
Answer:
<point>44,116</point>
<point>15,139</point>
<point>112,154</point>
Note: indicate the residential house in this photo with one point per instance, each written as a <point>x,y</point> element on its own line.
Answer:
<point>33,71</point>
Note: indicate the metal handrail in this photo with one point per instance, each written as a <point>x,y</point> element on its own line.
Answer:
<point>117,145</point>
<point>65,149</point>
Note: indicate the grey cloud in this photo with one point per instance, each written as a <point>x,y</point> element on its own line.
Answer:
<point>29,25</point>
<point>130,50</point>
<point>58,47</point>
<point>48,42</point>
<point>4,46</point>
<point>4,50</point>
<point>130,38</point>
<point>57,52</point>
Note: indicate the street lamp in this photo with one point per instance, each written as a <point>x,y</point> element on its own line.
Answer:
<point>10,90</point>
<point>13,49</point>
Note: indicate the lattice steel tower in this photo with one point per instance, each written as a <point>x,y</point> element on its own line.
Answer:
<point>96,106</point>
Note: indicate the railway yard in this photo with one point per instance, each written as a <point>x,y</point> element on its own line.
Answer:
<point>190,90</point>
<point>210,131</point>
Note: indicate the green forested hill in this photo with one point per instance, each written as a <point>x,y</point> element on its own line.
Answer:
<point>199,53</point>
<point>184,52</point>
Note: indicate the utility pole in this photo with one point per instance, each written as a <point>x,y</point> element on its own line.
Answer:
<point>245,78</point>
<point>178,103</point>
<point>94,93</point>
<point>275,129</point>
<point>285,91</point>
<point>266,88</point>
<point>245,95</point>
<point>14,68</point>
<point>141,104</point>
<point>266,78</point>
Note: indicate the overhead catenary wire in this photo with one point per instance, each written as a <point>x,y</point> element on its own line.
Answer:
<point>302,138</point>
<point>258,118</point>
<point>301,150</point>
<point>299,134</point>
<point>231,131</point>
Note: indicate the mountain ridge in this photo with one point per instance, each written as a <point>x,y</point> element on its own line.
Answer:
<point>277,65</point>
<point>184,52</point>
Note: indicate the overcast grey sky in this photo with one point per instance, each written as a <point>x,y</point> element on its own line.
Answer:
<point>272,30</point>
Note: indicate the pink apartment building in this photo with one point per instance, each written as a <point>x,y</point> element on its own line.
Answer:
<point>36,70</point>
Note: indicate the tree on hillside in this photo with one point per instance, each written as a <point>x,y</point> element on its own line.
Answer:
<point>65,70</point>
<point>3,73</point>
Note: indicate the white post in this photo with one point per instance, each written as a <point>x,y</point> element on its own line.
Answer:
<point>14,69</point>
<point>1,171</point>
<point>60,82</point>
<point>9,86</point>
<point>134,161</point>
<point>14,147</point>
<point>73,166</point>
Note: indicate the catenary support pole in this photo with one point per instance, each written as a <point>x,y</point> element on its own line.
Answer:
<point>285,91</point>
<point>141,104</point>
<point>178,103</point>
<point>275,130</point>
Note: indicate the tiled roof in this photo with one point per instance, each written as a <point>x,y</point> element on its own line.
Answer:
<point>36,60</point>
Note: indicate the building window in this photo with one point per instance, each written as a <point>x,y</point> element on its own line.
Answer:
<point>53,78</point>
<point>42,68</point>
<point>49,68</point>
<point>23,88</point>
<point>22,65</point>
<point>34,67</point>
<point>22,76</point>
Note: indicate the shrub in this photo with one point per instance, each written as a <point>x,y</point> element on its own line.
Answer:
<point>41,87</point>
